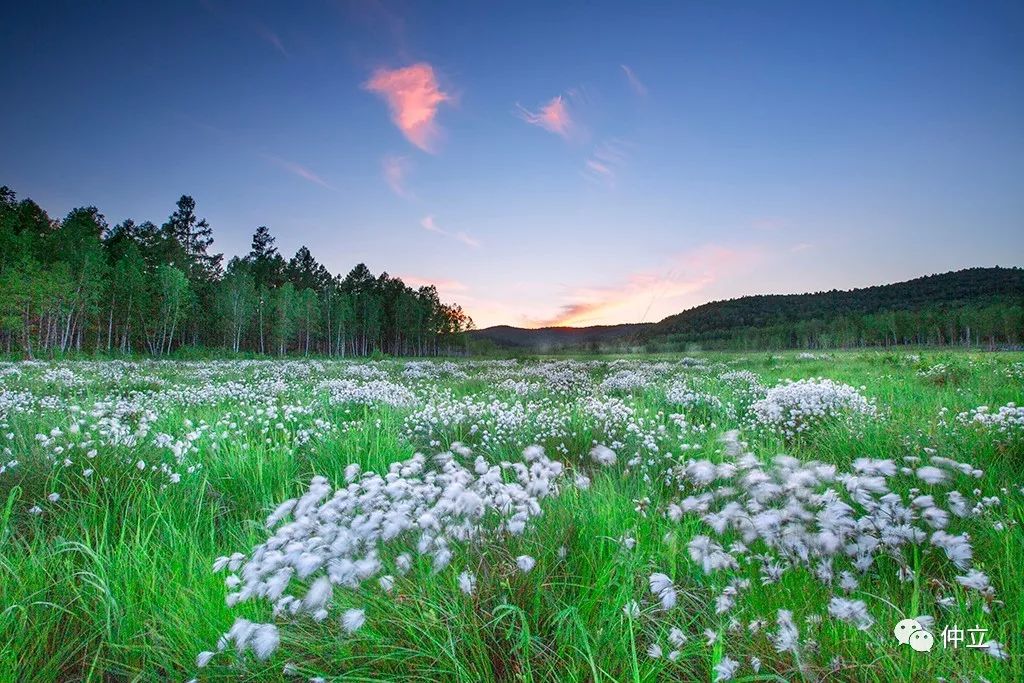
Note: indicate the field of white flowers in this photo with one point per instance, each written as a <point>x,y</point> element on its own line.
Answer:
<point>722,517</point>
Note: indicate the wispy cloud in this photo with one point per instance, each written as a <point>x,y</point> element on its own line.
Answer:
<point>250,23</point>
<point>428,223</point>
<point>635,83</point>
<point>634,298</point>
<point>395,169</point>
<point>300,171</point>
<point>600,169</point>
<point>413,96</point>
<point>607,158</point>
<point>271,38</point>
<point>553,116</point>
<point>236,141</point>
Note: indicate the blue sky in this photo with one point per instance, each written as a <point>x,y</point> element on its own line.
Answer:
<point>577,164</point>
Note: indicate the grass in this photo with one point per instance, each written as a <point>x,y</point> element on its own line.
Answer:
<point>112,582</point>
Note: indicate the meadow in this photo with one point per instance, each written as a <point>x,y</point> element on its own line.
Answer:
<point>706,517</point>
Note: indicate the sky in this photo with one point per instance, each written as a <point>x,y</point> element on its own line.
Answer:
<point>541,163</point>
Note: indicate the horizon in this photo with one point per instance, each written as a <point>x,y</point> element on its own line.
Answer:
<point>765,294</point>
<point>542,166</point>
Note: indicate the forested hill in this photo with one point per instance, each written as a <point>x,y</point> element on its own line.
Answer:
<point>978,306</point>
<point>79,284</point>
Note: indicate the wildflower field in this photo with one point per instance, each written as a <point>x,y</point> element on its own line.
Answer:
<point>718,517</point>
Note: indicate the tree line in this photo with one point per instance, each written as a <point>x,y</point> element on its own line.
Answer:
<point>996,325</point>
<point>970,307</point>
<point>81,285</point>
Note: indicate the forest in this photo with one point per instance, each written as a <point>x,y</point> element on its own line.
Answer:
<point>80,285</point>
<point>981,307</point>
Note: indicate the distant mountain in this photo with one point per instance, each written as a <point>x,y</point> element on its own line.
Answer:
<point>553,338</point>
<point>975,305</point>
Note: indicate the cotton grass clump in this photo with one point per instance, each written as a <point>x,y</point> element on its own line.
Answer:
<point>1006,423</point>
<point>370,392</point>
<point>763,520</point>
<point>626,380</point>
<point>340,538</point>
<point>795,408</point>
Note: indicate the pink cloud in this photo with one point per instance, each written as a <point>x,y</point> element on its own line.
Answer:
<point>429,224</point>
<point>413,96</point>
<point>553,116</point>
<point>638,87</point>
<point>395,170</point>
<point>649,295</point>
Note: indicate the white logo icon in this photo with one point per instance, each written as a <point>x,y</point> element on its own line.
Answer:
<point>921,641</point>
<point>910,632</point>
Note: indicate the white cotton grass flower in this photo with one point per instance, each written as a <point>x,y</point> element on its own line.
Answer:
<point>282,511</point>
<point>662,588</point>
<point>996,649</point>
<point>926,620</point>
<point>318,595</point>
<point>467,582</point>
<point>726,669</point>
<point>602,455</point>
<point>654,651</point>
<point>851,611</point>
<point>203,658</point>
<point>931,475</point>
<point>632,609</point>
<point>709,554</point>
<point>787,638</point>
<point>265,640</point>
<point>957,548</point>
<point>975,580</point>
<point>525,563</point>
<point>53,497</point>
<point>352,620</point>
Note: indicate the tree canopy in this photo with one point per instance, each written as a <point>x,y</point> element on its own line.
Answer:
<point>79,284</point>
